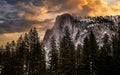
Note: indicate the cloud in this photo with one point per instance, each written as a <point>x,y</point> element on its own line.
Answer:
<point>99,7</point>
<point>16,26</point>
<point>31,12</point>
<point>21,15</point>
<point>84,7</point>
<point>18,16</point>
<point>35,2</point>
<point>40,13</point>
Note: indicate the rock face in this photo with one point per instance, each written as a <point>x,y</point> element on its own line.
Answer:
<point>81,27</point>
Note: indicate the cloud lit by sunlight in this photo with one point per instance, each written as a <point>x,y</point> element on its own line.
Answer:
<point>28,14</point>
<point>99,7</point>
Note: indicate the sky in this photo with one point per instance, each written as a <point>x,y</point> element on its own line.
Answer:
<point>19,16</point>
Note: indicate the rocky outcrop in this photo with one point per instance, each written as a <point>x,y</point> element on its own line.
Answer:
<point>80,28</point>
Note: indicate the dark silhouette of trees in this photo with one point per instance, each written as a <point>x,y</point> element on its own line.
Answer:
<point>67,55</point>
<point>53,54</point>
<point>26,56</point>
<point>116,52</point>
<point>20,56</point>
<point>36,54</point>
<point>78,59</point>
<point>93,53</point>
<point>104,64</point>
<point>86,58</point>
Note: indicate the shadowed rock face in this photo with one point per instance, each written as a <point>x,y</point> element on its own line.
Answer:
<point>81,27</point>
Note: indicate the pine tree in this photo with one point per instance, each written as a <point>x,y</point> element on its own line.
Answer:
<point>27,53</point>
<point>78,59</point>
<point>7,59</point>
<point>27,57</point>
<point>36,65</point>
<point>93,52</point>
<point>67,55</point>
<point>104,60</point>
<point>13,58</point>
<point>53,57</point>
<point>116,52</point>
<point>86,58</point>
<point>1,58</point>
<point>20,56</point>
<point>43,58</point>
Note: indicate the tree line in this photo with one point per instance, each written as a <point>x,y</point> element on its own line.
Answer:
<point>27,56</point>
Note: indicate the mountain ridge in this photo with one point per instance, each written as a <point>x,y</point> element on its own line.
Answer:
<point>80,27</point>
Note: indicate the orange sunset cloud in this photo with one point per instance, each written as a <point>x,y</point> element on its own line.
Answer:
<point>42,14</point>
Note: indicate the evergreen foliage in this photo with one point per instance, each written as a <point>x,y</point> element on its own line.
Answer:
<point>86,58</point>
<point>93,53</point>
<point>67,55</point>
<point>27,56</point>
<point>78,60</point>
<point>104,60</point>
<point>53,54</point>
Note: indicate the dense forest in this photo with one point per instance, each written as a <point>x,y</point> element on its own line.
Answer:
<point>27,56</point>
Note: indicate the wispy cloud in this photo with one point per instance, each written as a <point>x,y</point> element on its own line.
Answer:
<point>18,16</point>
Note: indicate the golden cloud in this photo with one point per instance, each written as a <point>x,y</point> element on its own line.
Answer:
<point>41,15</point>
<point>99,7</point>
<point>84,7</point>
<point>31,12</point>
